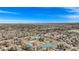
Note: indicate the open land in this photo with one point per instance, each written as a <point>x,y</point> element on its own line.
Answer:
<point>39,37</point>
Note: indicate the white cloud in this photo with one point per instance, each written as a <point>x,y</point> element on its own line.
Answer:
<point>75,9</point>
<point>72,16</point>
<point>7,12</point>
<point>72,9</point>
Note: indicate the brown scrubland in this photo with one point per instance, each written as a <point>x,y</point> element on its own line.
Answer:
<point>39,37</point>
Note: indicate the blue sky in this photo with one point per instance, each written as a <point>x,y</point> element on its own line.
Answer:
<point>39,14</point>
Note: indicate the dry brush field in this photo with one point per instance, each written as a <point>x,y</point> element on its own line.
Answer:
<point>39,37</point>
